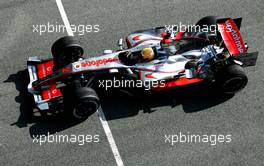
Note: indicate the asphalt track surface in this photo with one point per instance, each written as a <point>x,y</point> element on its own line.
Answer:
<point>138,129</point>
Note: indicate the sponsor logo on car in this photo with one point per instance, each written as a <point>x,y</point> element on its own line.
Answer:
<point>235,36</point>
<point>97,63</point>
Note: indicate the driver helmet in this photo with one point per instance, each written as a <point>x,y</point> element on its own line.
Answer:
<point>147,54</point>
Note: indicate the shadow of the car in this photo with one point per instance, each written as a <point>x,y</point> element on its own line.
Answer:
<point>115,105</point>
<point>41,124</point>
<point>192,98</point>
<point>25,99</point>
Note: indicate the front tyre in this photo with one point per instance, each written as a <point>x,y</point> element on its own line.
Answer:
<point>86,103</point>
<point>66,50</point>
<point>231,79</point>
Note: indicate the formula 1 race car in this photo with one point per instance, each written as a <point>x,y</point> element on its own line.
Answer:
<point>170,59</point>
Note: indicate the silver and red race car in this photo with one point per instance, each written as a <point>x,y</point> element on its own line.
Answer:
<point>68,80</point>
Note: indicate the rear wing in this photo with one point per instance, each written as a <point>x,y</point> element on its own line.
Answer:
<point>229,30</point>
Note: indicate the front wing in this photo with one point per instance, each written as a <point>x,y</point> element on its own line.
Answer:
<point>39,69</point>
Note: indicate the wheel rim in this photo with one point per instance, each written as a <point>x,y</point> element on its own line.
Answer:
<point>234,84</point>
<point>84,109</point>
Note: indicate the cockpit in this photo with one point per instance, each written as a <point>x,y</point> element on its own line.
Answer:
<point>179,46</point>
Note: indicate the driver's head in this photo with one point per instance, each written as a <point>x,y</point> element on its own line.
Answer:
<point>147,54</point>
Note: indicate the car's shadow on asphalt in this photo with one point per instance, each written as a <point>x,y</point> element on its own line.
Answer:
<point>192,98</point>
<point>38,123</point>
<point>115,106</point>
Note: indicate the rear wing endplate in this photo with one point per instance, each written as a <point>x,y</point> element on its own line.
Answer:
<point>248,59</point>
<point>229,30</point>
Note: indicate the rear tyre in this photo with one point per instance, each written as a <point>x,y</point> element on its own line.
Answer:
<point>232,79</point>
<point>66,50</point>
<point>208,21</point>
<point>86,102</point>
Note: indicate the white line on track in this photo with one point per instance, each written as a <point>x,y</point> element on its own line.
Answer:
<point>64,18</point>
<point>110,137</point>
<point>100,112</point>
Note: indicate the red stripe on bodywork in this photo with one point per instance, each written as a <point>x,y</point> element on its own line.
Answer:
<point>179,82</point>
<point>136,38</point>
<point>149,76</point>
<point>179,35</point>
<point>128,43</point>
